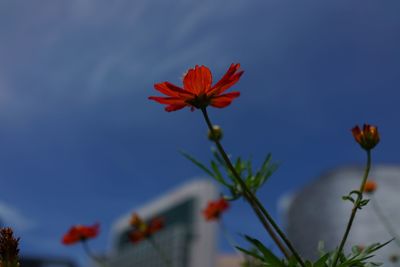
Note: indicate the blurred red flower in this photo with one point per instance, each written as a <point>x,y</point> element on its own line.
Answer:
<point>370,186</point>
<point>368,137</point>
<point>142,230</point>
<point>79,233</point>
<point>214,209</point>
<point>197,91</point>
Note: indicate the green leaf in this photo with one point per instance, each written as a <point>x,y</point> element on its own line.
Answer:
<point>238,166</point>
<point>376,246</point>
<point>269,258</point>
<point>358,258</point>
<point>265,172</point>
<point>355,249</point>
<point>321,262</point>
<point>292,262</point>
<point>363,203</point>
<point>249,168</point>
<point>348,198</point>
<point>197,163</point>
<point>251,253</point>
<point>217,174</point>
<point>218,157</point>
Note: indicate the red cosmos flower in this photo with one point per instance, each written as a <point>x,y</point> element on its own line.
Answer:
<point>142,230</point>
<point>156,225</point>
<point>370,187</point>
<point>368,137</point>
<point>214,209</point>
<point>79,233</point>
<point>197,91</point>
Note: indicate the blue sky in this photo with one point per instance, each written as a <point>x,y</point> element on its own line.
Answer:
<point>81,143</point>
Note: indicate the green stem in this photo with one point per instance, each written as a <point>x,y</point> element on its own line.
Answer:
<point>160,251</point>
<point>355,208</point>
<point>258,208</point>
<point>266,225</point>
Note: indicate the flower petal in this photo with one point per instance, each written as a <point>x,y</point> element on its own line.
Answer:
<point>170,89</point>
<point>174,103</point>
<point>224,100</point>
<point>230,78</point>
<point>79,233</point>
<point>198,80</point>
<point>168,100</point>
<point>136,236</point>
<point>174,107</point>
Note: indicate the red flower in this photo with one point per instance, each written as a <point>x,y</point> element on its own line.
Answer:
<point>197,91</point>
<point>370,187</point>
<point>368,137</point>
<point>136,236</point>
<point>156,225</point>
<point>79,233</point>
<point>142,230</point>
<point>214,209</point>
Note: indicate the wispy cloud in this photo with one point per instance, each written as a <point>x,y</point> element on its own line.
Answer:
<point>11,216</point>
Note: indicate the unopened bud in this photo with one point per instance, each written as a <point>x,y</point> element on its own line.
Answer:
<point>370,187</point>
<point>368,137</point>
<point>215,134</point>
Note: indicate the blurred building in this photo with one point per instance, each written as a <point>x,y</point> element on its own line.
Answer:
<point>229,260</point>
<point>187,240</point>
<point>30,261</point>
<point>318,213</point>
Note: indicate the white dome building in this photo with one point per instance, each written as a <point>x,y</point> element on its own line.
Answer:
<point>318,213</point>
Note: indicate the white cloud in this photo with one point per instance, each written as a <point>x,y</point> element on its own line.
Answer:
<point>10,216</point>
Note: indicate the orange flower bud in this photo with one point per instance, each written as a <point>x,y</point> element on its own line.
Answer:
<point>368,137</point>
<point>370,187</point>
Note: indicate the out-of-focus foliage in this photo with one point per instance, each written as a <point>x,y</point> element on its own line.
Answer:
<point>359,257</point>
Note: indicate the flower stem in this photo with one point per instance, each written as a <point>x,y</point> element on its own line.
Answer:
<point>355,208</point>
<point>256,205</point>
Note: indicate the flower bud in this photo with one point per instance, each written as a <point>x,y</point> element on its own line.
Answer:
<point>216,133</point>
<point>370,187</point>
<point>368,137</point>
